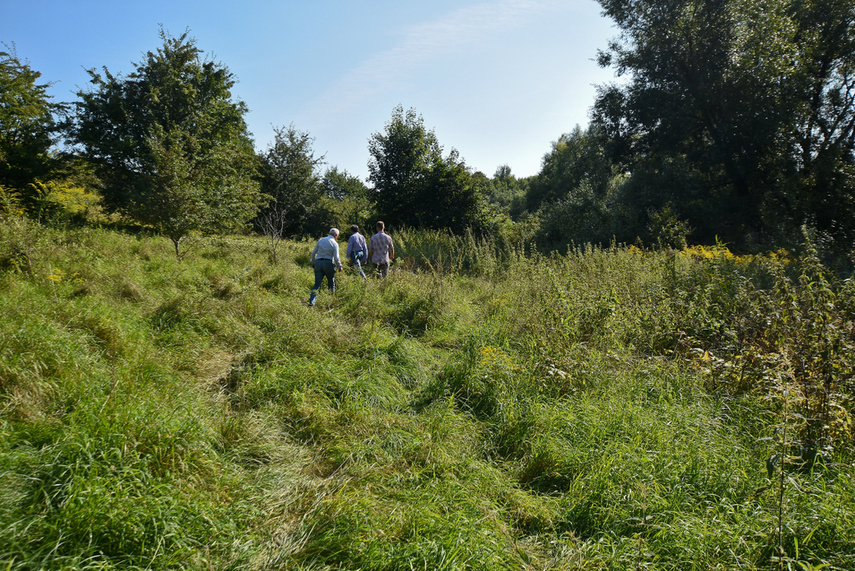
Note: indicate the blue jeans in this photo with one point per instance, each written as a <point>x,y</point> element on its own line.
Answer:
<point>356,258</point>
<point>322,268</point>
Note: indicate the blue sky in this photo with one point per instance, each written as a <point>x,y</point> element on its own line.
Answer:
<point>498,80</point>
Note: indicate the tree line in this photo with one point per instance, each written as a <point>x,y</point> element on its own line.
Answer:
<point>729,121</point>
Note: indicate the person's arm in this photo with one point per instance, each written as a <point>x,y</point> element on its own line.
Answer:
<point>336,259</point>
<point>314,253</point>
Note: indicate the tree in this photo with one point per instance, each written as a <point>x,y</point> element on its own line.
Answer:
<point>346,199</point>
<point>576,158</point>
<point>342,184</point>
<point>27,125</point>
<point>273,222</point>
<point>452,198</point>
<point>738,113</point>
<point>170,143</point>
<point>290,177</point>
<point>507,192</point>
<point>413,183</point>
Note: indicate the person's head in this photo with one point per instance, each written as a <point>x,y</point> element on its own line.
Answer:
<point>354,229</point>
<point>380,226</point>
<point>334,232</point>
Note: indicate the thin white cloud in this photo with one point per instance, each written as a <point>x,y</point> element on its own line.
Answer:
<point>423,44</point>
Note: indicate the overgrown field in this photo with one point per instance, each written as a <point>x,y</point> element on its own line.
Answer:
<point>482,408</point>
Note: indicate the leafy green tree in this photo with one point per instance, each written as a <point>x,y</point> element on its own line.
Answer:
<point>27,125</point>
<point>584,216</point>
<point>576,158</point>
<point>290,177</point>
<point>508,192</point>
<point>414,184</point>
<point>346,200</point>
<point>170,143</point>
<point>342,184</point>
<point>738,113</point>
<point>451,197</point>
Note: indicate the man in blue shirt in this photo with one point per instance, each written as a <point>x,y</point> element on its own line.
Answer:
<point>357,251</point>
<point>325,260</point>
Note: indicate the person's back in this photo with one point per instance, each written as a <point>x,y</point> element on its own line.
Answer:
<point>325,261</point>
<point>357,249</point>
<point>381,249</point>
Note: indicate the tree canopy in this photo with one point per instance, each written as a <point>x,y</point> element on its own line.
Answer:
<point>290,176</point>
<point>27,124</point>
<point>576,159</point>
<point>413,183</point>
<point>170,143</point>
<point>739,113</point>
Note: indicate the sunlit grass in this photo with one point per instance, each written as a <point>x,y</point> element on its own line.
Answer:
<point>479,409</point>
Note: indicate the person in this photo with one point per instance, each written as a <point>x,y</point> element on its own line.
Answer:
<point>357,250</point>
<point>381,250</point>
<point>325,260</point>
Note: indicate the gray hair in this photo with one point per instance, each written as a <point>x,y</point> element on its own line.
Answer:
<point>334,232</point>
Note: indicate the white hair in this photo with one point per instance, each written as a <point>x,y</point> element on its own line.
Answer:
<point>334,232</point>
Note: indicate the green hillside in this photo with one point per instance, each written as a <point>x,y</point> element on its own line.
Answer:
<point>482,408</point>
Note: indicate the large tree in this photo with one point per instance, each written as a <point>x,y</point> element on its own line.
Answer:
<point>290,176</point>
<point>170,142</point>
<point>738,112</point>
<point>27,124</point>
<point>414,184</point>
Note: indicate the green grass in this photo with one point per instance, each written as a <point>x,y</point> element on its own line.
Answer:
<point>479,409</point>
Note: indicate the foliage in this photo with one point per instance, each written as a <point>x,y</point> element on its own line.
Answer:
<point>289,171</point>
<point>576,160</point>
<point>508,192</point>
<point>10,201</point>
<point>739,114</point>
<point>170,144</point>
<point>63,201</point>
<point>27,125</point>
<point>414,184</point>
<point>342,184</point>
<point>583,217</point>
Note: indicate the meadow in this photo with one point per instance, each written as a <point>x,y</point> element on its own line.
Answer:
<point>485,407</point>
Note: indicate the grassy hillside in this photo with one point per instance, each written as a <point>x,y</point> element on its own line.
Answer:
<point>482,408</point>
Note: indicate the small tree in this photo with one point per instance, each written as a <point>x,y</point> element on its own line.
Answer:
<point>273,223</point>
<point>170,144</point>
<point>290,177</point>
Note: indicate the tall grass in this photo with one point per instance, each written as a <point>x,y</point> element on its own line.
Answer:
<point>482,408</point>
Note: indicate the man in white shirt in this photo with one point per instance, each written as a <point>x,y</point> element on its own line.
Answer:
<point>325,260</point>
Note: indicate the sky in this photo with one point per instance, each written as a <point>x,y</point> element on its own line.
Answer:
<point>497,80</point>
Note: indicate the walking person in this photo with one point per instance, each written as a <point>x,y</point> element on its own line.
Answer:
<point>381,250</point>
<point>325,260</point>
<point>357,250</point>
